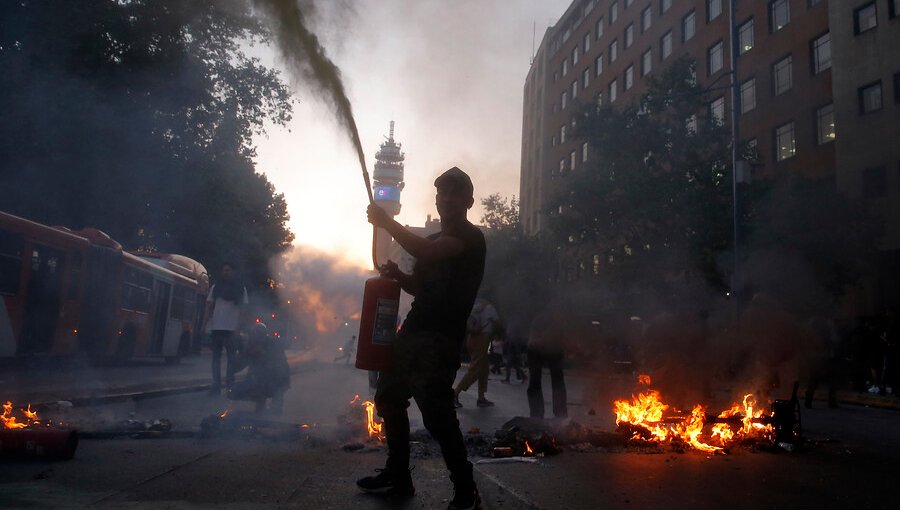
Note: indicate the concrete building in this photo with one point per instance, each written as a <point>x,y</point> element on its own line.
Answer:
<point>817,87</point>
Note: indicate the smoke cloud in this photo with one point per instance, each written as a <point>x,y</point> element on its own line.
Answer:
<point>323,294</point>
<point>306,59</point>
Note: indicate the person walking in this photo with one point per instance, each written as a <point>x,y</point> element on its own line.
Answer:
<point>226,305</point>
<point>444,282</point>
<point>346,352</point>
<point>481,326</point>
<point>546,346</point>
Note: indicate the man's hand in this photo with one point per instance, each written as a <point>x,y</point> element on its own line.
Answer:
<point>378,216</point>
<point>391,270</point>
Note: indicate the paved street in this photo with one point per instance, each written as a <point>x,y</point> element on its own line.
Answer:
<point>852,462</point>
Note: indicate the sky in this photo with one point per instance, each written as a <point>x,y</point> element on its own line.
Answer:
<point>449,73</point>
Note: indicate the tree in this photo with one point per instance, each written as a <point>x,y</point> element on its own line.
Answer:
<point>515,266</point>
<point>651,206</point>
<point>137,117</point>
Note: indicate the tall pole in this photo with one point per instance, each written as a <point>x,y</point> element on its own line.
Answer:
<point>735,114</point>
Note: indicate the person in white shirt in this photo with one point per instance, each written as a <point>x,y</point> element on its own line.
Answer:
<point>481,325</point>
<point>225,308</point>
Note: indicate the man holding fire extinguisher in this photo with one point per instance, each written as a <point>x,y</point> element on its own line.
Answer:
<point>444,283</point>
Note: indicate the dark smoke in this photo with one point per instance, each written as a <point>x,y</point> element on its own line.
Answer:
<point>306,59</point>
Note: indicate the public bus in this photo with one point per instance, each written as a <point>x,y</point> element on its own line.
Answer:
<point>65,293</point>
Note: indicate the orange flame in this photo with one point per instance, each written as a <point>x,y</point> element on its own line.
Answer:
<point>355,399</point>
<point>224,413</point>
<point>646,411</point>
<point>528,450</point>
<point>31,418</point>
<point>373,427</point>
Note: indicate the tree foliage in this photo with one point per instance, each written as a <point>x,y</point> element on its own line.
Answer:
<point>515,275</point>
<point>653,201</point>
<point>137,117</point>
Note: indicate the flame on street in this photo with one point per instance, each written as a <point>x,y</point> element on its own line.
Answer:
<point>29,418</point>
<point>650,419</point>
<point>372,427</point>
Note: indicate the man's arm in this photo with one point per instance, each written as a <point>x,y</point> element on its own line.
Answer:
<point>421,248</point>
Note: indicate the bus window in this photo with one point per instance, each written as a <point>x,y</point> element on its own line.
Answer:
<point>74,277</point>
<point>10,262</point>
<point>136,291</point>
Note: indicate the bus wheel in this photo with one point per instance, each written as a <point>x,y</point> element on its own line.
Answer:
<point>126,343</point>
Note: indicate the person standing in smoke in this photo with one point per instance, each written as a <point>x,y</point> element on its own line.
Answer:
<point>481,326</point>
<point>444,282</point>
<point>226,305</point>
<point>546,346</point>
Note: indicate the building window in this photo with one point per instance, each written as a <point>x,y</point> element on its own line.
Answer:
<point>752,151</point>
<point>629,77</point>
<point>613,51</point>
<point>745,36</point>
<point>599,28</point>
<point>715,58</point>
<point>574,89</point>
<point>713,9</point>
<point>598,65</point>
<point>779,15</point>
<point>784,142</point>
<point>783,76</point>
<point>821,50</point>
<point>562,134</point>
<point>563,100</point>
<point>665,45</point>
<point>717,111</point>
<point>599,99</point>
<point>874,182</point>
<point>664,5</point>
<point>825,124</point>
<point>646,18</point>
<point>813,3</point>
<point>565,67</point>
<point>574,55</point>
<point>584,152</point>
<point>893,8</point>
<point>865,18</point>
<point>562,170</point>
<point>690,124</point>
<point>870,98</point>
<point>688,26</point>
<point>629,35</point>
<point>572,159</point>
<point>586,78</point>
<point>587,43</point>
<point>646,62</point>
<point>613,12</point>
<point>748,95</point>
<point>612,91</point>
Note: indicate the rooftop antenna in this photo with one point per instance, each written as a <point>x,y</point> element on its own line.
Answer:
<point>533,32</point>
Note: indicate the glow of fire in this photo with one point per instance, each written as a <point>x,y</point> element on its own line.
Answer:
<point>355,399</point>
<point>528,450</point>
<point>646,411</point>
<point>31,418</point>
<point>373,427</point>
<point>224,413</point>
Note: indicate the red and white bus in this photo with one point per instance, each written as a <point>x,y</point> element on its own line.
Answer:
<point>66,292</point>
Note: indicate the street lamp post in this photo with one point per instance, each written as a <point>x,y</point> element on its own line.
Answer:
<point>735,113</point>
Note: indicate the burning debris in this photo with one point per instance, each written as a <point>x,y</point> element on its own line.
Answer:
<point>25,435</point>
<point>361,420</point>
<point>647,419</point>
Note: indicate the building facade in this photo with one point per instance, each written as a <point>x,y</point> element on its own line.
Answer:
<point>816,92</point>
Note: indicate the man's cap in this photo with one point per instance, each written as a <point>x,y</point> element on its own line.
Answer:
<point>455,177</point>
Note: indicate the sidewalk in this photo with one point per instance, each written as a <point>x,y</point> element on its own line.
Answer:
<point>84,384</point>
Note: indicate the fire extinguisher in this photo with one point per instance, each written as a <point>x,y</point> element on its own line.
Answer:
<point>378,323</point>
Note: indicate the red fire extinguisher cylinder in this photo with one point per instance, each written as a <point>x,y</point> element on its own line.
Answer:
<point>378,323</point>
